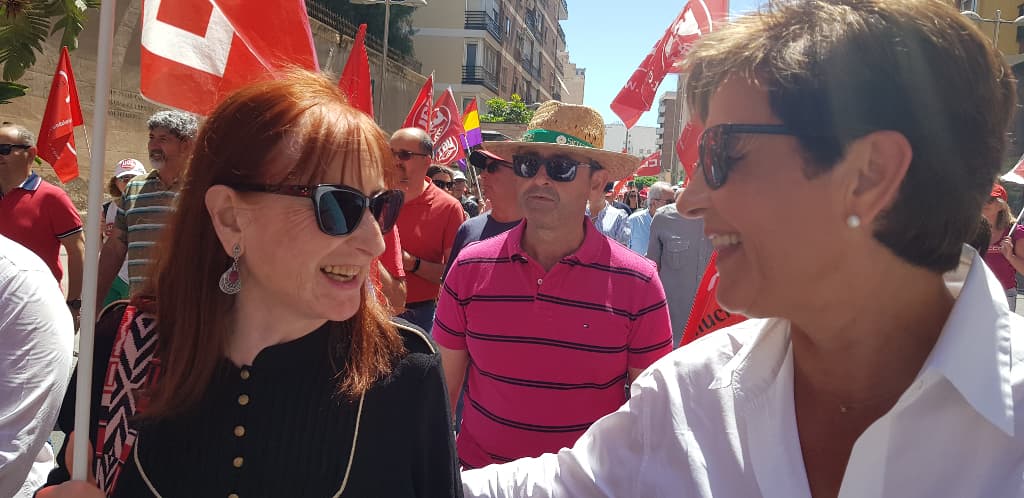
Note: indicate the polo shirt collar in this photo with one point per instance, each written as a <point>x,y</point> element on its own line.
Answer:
<point>32,182</point>
<point>973,351</point>
<point>587,251</point>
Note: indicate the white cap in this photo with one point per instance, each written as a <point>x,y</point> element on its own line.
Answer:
<point>129,167</point>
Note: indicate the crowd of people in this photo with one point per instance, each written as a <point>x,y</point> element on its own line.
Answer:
<point>298,304</point>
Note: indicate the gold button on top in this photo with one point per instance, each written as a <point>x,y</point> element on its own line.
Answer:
<point>233,495</point>
<point>245,374</point>
<point>237,462</point>
<point>243,399</point>
<point>239,430</point>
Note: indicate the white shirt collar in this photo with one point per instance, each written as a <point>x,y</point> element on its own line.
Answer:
<point>973,351</point>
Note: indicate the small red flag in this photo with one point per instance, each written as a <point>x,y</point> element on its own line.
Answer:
<point>650,166</point>
<point>445,129</point>
<point>63,113</point>
<point>637,96</point>
<point>707,315</point>
<point>687,147</point>
<point>419,115</point>
<point>355,78</point>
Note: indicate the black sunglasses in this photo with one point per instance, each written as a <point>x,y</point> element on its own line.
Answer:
<point>558,169</point>
<point>339,208</point>
<point>443,184</point>
<point>482,162</point>
<point>716,145</point>
<point>404,155</point>
<point>6,149</point>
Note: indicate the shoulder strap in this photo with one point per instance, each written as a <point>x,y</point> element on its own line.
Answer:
<point>418,333</point>
<point>132,367</point>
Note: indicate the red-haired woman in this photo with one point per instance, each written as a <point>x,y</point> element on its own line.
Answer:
<point>273,374</point>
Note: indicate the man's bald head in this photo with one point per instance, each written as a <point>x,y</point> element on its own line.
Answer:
<point>419,135</point>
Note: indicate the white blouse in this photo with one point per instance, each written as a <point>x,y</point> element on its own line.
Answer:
<point>716,418</point>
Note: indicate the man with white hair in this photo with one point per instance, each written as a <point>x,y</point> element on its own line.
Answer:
<point>639,223</point>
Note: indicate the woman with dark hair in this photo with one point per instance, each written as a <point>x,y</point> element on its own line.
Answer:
<point>847,150</point>
<point>260,368</point>
<point>1003,255</point>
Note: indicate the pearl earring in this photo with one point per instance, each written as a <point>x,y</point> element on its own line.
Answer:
<point>853,221</point>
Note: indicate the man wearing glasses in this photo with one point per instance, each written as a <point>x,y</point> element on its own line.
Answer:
<point>639,223</point>
<point>426,224</point>
<point>531,312</point>
<point>38,214</point>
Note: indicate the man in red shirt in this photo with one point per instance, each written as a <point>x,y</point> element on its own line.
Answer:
<point>427,224</point>
<point>38,214</point>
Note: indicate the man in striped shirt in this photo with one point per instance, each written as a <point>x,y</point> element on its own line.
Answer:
<point>550,320</point>
<point>148,201</point>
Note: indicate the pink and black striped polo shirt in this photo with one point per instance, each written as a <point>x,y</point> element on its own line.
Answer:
<point>549,351</point>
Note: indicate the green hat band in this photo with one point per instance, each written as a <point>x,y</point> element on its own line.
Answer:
<point>540,135</point>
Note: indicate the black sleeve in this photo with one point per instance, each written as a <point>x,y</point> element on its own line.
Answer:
<point>460,242</point>
<point>436,471</point>
<point>106,333</point>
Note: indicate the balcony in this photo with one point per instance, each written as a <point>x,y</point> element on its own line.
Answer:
<point>317,9</point>
<point>564,13</point>
<point>561,34</point>
<point>533,23</point>
<point>479,75</point>
<point>480,20</point>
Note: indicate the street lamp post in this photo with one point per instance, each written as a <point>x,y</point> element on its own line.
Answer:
<point>387,30</point>
<point>997,22</point>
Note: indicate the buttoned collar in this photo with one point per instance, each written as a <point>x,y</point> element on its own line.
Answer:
<point>973,351</point>
<point>32,182</point>
<point>587,251</point>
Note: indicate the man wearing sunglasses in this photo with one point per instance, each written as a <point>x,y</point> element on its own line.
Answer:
<point>426,224</point>
<point>38,214</point>
<point>639,223</point>
<point>531,313</point>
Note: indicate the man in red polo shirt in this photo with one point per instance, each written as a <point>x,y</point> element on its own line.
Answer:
<point>427,225</point>
<point>552,318</point>
<point>38,214</point>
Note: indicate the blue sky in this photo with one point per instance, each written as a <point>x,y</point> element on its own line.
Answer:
<point>610,37</point>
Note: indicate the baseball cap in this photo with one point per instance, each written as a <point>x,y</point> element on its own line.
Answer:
<point>129,167</point>
<point>1000,192</point>
<point>458,175</point>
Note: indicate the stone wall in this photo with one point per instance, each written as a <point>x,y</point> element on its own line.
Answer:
<point>126,123</point>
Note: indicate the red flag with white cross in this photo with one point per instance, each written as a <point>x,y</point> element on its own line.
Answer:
<point>196,52</point>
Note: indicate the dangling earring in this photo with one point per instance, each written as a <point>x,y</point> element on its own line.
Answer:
<point>231,280</point>
<point>853,221</point>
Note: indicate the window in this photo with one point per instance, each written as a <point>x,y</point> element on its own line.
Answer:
<point>971,5</point>
<point>465,102</point>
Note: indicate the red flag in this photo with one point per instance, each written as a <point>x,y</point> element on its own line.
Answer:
<point>445,129</point>
<point>638,95</point>
<point>63,113</point>
<point>687,147</point>
<point>707,315</point>
<point>650,166</point>
<point>195,52</point>
<point>419,115</point>
<point>355,78</point>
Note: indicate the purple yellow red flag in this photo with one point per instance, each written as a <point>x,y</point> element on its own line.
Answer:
<point>355,78</point>
<point>56,143</point>
<point>471,123</point>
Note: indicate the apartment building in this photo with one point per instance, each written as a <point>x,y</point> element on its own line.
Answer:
<point>494,48</point>
<point>669,128</point>
<point>575,79</point>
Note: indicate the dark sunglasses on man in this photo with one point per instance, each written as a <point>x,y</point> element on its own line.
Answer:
<point>487,161</point>
<point>5,149</point>
<point>443,184</point>
<point>559,169</point>
<point>405,155</point>
<point>339,208</point>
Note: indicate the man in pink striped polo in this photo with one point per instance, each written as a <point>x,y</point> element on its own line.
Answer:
<point>550,320</point>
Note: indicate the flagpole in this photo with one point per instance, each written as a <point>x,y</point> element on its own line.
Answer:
<point>384,60</point>
<point>83,395</point>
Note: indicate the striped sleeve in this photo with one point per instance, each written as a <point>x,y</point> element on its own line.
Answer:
<point>651,337</point>
<point>450,318</point>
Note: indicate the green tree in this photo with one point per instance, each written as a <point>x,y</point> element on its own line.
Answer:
<point>400,29</point>
<point>513,110</point>
<point>24,27</point>
<point>643,182</point>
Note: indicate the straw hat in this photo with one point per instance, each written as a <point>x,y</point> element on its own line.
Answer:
<point>573,130</point>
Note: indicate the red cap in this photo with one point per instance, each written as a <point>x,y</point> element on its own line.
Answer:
<point>1000,192</point>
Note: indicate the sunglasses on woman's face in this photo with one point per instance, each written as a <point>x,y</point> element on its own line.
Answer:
<point>5,149</point>
<point>339,208</point>
<point>443,184</point>
<point>716,144</point>
<point>558,169</point>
